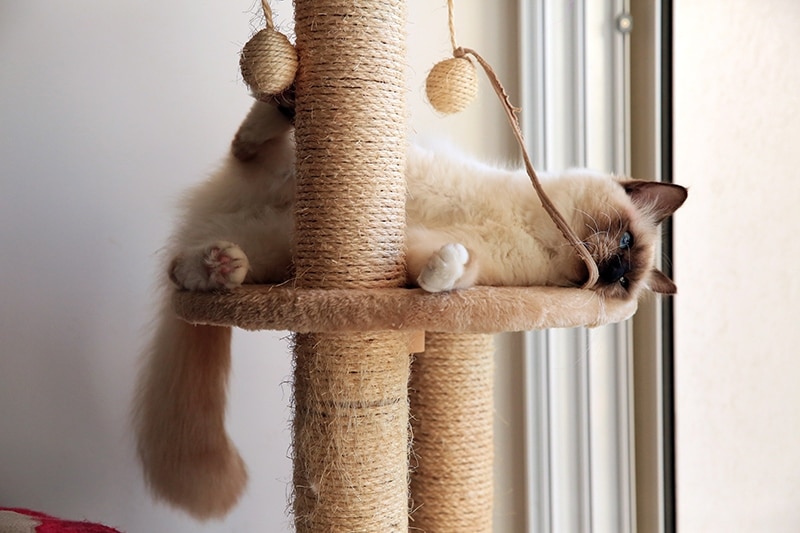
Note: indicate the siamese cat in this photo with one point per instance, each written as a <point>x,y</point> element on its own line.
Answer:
<point>468,224</point>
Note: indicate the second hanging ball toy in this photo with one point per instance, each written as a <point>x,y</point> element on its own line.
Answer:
<point>452,84</point>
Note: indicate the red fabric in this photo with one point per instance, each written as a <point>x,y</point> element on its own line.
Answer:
<point>50,524</point>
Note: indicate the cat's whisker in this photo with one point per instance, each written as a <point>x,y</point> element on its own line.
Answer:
<point>587,215</point>
<point>614,234</point>
<point>569,245</point>
<point>666,261</point>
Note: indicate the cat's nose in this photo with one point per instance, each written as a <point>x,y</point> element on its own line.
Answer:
<point>613,269</point>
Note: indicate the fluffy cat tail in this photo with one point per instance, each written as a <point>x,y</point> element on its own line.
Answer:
<point>179,418</point>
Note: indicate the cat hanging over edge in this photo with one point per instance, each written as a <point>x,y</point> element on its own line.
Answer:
<point>468,224</point>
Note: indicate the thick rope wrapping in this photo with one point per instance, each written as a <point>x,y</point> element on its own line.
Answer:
<point>350,133</point>
<point>350,430</point>
<point>451,417</point>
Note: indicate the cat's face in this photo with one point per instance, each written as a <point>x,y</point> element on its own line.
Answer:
<point>621,233</point>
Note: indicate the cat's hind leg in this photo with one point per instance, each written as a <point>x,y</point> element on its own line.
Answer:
<point>218,265</point>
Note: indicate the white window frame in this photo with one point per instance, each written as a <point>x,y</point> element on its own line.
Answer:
<point>579,382</point>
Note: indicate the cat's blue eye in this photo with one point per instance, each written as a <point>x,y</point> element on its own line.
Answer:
<point>624,282</point>
<point>626,241</point>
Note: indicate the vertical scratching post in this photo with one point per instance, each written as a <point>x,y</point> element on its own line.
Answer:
<point>350,438</point>
<point>452,411</point>
<point>351,432</point>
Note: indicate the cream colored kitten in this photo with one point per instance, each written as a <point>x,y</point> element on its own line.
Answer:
<point>468,224</point>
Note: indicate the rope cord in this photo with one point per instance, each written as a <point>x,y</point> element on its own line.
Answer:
<point>451,21</point>
<point>268,14</point>
<point>511,114</point>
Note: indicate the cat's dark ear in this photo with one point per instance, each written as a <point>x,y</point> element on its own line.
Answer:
<point>660,283</point>
<point>658,199</point>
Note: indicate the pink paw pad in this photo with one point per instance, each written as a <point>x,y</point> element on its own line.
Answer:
<point>225,266</point>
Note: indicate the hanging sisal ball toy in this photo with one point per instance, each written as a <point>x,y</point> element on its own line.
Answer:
<point>268,61</point>
<point>452,84</point>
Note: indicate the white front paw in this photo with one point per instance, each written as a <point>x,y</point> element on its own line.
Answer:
<point>444,268</point>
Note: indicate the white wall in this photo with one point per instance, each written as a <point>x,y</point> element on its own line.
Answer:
<point>737,135</point>
<point>108,110</point>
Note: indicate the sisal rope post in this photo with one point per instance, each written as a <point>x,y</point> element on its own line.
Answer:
<point>350,430</point>
<point>452,409</point>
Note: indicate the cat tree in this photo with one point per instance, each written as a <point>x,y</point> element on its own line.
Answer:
<point>355,325</point>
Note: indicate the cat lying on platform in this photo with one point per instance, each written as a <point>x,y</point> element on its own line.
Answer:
<point>468,224</point>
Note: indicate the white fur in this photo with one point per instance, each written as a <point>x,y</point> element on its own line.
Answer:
<point>496,215</point>
<point>444,269</point>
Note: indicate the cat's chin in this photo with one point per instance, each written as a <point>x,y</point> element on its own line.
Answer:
<point>615,291</point>
<point>607,290</point>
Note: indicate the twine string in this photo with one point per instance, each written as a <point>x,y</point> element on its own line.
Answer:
<point>451,18</point>
<point>558,219</point>
<point>268,14</point>
<point>511,114</point>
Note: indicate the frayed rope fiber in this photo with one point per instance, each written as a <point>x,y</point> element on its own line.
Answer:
<point>350,433</point>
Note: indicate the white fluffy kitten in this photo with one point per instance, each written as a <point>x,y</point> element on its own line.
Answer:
<point>468,224</point>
